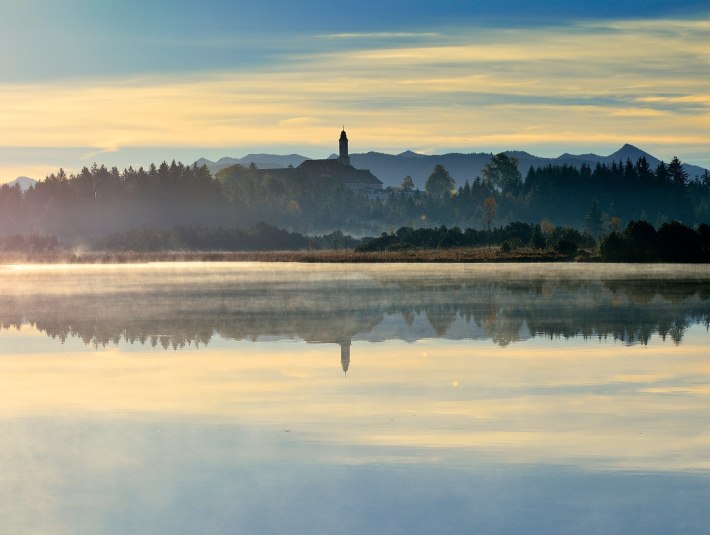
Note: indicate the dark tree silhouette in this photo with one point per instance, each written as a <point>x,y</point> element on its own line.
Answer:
<point>502,172</point>
<point>440,184</point>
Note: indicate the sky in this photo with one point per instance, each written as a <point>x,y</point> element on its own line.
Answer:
<point>131,83</point>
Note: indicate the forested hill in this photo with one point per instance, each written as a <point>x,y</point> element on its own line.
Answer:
<point>99,201</point>
<point>392,168</point>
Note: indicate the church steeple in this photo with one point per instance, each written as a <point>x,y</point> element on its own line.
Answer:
<point>345,356</point>
<point>344,158</point>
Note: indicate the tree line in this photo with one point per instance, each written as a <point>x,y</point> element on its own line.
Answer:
<point>98,201</point>
<point>260,237</point>
<point>597,200</point>
<point>516,235</point>
<point>673,242</point>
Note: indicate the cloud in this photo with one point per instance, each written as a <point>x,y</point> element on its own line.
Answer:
<point>102,148</point>
<point>591,85</point>
<point>296,121</point>
<point>379,35</point>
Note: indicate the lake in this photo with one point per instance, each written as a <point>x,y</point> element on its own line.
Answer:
<point>191,398</point>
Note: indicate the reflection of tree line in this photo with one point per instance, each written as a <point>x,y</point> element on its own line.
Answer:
<point>503,311</point>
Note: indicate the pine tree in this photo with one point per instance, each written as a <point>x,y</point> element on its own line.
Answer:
<point>677,174</point>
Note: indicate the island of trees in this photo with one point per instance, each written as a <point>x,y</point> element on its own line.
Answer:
<point>623,212</point>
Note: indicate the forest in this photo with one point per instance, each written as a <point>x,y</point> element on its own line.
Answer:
<point>177,205</point>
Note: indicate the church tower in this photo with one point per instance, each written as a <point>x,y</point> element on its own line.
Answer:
<point>345,356</point>
<point>344,157</point>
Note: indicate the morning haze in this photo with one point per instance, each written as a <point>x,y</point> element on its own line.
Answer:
<point>354,268</point>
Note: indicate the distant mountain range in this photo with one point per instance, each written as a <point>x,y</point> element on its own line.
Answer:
<point>392,168</point>
<point>262,161</point>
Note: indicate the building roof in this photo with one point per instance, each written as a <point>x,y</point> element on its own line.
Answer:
<point>346,174</point>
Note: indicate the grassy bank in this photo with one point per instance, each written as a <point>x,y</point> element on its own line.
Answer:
<point>464,254</point>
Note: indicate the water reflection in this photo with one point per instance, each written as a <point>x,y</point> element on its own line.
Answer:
<point>175,308</point>
<point>486,399</point>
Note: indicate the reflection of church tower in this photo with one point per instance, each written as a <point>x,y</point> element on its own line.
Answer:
<point>344,157</point>
<point>345,355</point>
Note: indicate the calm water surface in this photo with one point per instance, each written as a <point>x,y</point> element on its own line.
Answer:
<point>300,399</point>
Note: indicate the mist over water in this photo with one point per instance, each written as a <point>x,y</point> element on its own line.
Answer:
<point>213,398</point>
<point>185,303</point>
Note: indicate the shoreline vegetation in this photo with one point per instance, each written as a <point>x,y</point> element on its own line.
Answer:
<point>184,213</point>
<point>347,256</point>
<point>640,242</point>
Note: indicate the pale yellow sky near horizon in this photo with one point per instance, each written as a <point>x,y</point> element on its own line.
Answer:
<point>592,86</point>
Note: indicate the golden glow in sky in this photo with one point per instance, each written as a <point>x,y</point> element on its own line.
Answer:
<point>587,86</point>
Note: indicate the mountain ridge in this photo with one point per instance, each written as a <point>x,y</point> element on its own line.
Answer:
<point>392,168</point>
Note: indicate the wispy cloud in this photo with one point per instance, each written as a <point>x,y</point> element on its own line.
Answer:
<point>547,89</point>
<point>379,35</point>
